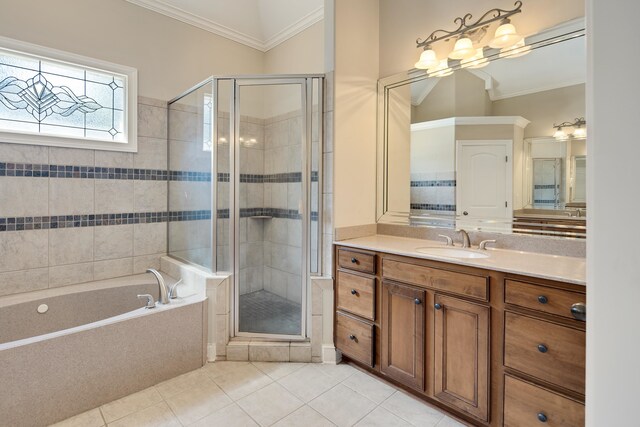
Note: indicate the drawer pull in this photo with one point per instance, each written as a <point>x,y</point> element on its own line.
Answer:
<point>579,311</point>
<point>438,306</point>
<point>353,338</point>
<point>354,292</point>
<point>543,299</point>
<point>417,301</point>
<point>542,417</point>
<point>354,260</point>
<point>542,348</point>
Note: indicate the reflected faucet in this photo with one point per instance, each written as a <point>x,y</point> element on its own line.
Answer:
<point>466,243</point>
<point>164,297</point>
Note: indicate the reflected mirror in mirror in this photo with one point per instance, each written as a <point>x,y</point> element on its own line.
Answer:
<point>496,148</point>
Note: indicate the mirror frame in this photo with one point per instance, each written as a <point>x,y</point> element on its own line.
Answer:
<point>563,32</point>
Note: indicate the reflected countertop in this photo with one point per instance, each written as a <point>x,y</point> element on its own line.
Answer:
<point>552,267</point>
<point>560,214</point>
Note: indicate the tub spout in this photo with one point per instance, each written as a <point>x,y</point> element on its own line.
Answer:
<point>164,297</point>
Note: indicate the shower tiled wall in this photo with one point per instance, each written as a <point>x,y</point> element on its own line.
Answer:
<point>72,215</point>
<point>433,192</point>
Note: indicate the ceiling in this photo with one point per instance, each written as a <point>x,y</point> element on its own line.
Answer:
<point>260,24</point>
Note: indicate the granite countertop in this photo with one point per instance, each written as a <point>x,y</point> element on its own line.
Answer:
<point>552,267</point>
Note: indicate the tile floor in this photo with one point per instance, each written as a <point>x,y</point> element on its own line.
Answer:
<point>267,313</point>
<point>230,394</point>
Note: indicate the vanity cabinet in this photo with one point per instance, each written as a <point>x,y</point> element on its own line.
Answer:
<point>492,348</point>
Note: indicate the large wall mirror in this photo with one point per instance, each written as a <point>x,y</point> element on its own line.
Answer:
<point>476,148</point>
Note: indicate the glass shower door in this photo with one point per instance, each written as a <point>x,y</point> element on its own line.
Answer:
<point>271,143</point>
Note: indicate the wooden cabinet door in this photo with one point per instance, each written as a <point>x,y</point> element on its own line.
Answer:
<point>402,329</point>
<point>462,355</point>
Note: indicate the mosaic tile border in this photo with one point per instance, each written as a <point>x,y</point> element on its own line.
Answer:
<point>433,207</point>
<point>434,183</point>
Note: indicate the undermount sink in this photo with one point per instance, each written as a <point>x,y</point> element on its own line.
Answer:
<point>452,252</point>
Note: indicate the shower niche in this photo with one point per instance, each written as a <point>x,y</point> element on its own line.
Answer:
<point>245,162</point>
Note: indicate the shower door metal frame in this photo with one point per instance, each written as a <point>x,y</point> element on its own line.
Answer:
<point>306,103</point>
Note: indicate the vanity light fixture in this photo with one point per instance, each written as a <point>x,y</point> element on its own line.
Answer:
<point>577,129</point>
<point>467,32</point>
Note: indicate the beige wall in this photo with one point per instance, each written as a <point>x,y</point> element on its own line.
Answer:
<point>301,54</point>
<point>402,21</point>
<point>170,56</point>
<point>356,75</point>
<point>544,109</point>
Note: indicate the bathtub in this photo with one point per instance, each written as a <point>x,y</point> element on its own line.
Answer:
<point>66,350</point>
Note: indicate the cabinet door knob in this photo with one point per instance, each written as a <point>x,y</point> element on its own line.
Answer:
<point>354,292</point>
<point>352,337</point>
<point>417,301</point>
<point>579,311</point>
<point>542,348</point>
<point>354,260</point>
<point>543,299</point>
<point>542,417</point>
<point>438,306</point>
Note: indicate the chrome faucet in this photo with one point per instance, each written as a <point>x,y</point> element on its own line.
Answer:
<point>466,243</point>
<point>164,297</point>
<point>449,240</point>
<point>173,290</point>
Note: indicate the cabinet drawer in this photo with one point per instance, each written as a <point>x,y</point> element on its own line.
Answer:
<point>545,350</point>
<point>355,338</point>
<point>443,280</point>
<point>542,298</point>
<point>356,294</point>
<point>359,261</point>
<point>528,405</point>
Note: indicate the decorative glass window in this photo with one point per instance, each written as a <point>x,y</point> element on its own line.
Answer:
<point>48,97</point>
<point>207,129</point>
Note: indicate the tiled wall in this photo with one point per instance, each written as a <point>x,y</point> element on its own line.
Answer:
<point>433,192</point>
<point>71,215</point>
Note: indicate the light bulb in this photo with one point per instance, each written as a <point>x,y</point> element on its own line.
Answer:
<point>580,133</point>
<point>428,59</point>
<point>505,36</point>
<point>476,61</point>
<point>518,49</point>
<point>442,70</point>
<point>560,135</point>
<point>463,49</point>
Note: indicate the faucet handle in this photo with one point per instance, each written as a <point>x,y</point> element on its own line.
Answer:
<point>483,244</point>
<point>448,239</point>
<point>151,303</point>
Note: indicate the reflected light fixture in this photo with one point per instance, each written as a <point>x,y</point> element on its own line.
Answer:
<point>515,51</point>
<point>441,70</point>
<point>575,129</point>
<point>469,33</point>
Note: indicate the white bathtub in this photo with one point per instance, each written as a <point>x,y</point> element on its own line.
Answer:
<point>95,343</point>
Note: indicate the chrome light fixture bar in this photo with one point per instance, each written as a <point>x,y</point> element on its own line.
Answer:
<point>505,37</point>
<point>576,129</point>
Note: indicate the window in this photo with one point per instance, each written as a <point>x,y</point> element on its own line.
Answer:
<point>48,97</point>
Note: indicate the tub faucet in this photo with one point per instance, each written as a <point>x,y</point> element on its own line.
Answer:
<point>164,297</point>
<point>465,239</point>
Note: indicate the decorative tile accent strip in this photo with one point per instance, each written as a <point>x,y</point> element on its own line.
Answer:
<point>544,186</point>
<point>546,202</point>
<point>433,207</point>
<point>434,183</point>
<point>190,176</point>
<point>98,220</point>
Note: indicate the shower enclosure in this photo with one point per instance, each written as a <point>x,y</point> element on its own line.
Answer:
<point>245,161</point>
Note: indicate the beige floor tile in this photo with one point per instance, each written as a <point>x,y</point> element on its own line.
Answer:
<point>380,417</point>
<point>242,381</point>
<point>308,383</point>
<point>305,416</point>
<point>155,416</point>
<point>450,422</point>
<point>369,386</point>
<point>91,418</point>
<point>270,404</point>
<point>278,370</point>
<point>215,369</point>
<point>342,406</point>
<point>196,403</point>
<point>412,410</point>
<point>340,372</point>
<point>183,383</point>
<point>229,416</point>
<point>130,404</point>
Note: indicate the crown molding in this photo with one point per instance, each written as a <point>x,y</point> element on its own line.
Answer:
<point>229,33</point>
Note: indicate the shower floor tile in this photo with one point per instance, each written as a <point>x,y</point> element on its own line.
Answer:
<point>266,313</point>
